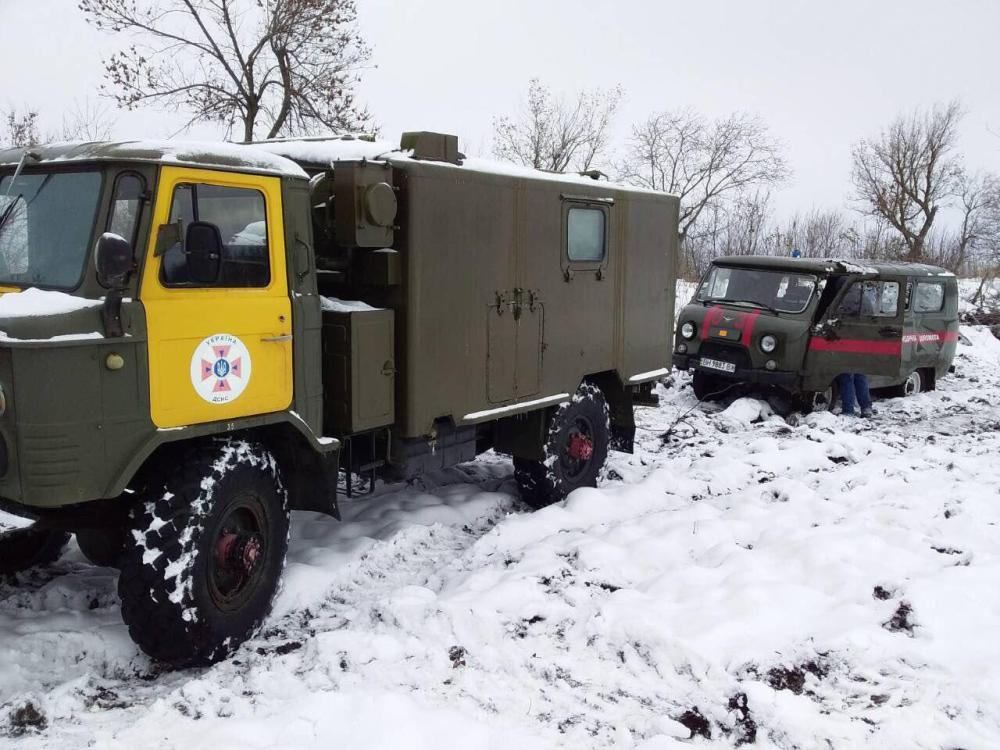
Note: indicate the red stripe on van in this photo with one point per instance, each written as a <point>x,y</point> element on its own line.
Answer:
<point>748,323</point>
<point>856,346</point>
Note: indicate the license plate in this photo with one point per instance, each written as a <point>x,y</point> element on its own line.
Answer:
<point>715,364</point>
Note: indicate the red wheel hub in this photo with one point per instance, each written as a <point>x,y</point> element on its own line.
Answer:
<point>580,447</point>
<point>238,552</point>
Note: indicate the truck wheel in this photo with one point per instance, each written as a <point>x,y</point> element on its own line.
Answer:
<point>22,549</point>
<point>204,553</point>
<point>575,449</point>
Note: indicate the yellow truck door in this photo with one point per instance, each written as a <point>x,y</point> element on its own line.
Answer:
<point>219,348</point>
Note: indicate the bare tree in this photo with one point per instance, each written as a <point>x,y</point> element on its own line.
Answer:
<point>557,134</point>
<point>907,173</point>
<point>20,128</point>
<point>702,161</point>
<point>88,120</point>
<point>741,226</point>
<point>289,66</point>
<point>817,234</point>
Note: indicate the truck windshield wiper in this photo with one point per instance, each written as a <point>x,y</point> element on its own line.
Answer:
<point>753,302</point>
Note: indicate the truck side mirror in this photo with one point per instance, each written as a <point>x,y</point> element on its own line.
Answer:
<point>203,247</point>
<point>113,258</point>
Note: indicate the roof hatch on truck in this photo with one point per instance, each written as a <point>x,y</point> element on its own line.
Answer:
<point>432,146</point>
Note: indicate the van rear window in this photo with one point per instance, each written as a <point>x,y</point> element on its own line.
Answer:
<point>928,297</point>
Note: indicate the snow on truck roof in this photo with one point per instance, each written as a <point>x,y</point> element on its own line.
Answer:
<point>319,153</point>
<point>284,157</point>
<point>832,265</point>
<point>208,154</point>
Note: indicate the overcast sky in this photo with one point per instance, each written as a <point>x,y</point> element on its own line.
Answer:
<point>821,75</point>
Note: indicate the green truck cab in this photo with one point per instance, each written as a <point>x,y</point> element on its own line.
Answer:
<point>198,339</point>
<point>789,326</point>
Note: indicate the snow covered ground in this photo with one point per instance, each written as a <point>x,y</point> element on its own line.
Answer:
<point>827,582</point>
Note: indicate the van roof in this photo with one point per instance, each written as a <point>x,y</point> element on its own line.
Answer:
<point>831,265</point>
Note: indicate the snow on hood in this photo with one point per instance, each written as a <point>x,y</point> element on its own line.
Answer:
<point>32,303</point>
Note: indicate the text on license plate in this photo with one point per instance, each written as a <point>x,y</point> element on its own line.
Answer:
<point>715,364</point>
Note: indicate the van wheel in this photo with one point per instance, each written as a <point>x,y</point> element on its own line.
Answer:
<point>23,549</point>
<point>576,449</point>
<point>707,386</point>
<point>204,553</point>
<point>821,400</point>
<point>913,384</point>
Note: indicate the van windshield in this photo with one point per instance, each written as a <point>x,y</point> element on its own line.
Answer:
<point>779,291</point>
<point>45,227</point>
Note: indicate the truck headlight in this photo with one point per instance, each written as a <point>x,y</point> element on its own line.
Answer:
<point>768,343</point>
<point>687,329</point>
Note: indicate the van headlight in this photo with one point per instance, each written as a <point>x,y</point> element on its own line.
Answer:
<point>687,329</point>
<point>768,343</point>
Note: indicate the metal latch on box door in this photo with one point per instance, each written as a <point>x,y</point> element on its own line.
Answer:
<point>516,299</point>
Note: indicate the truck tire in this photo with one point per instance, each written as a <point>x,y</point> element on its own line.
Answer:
<point>23,549</point>
<point>576,449</point>
<point>204,553</point>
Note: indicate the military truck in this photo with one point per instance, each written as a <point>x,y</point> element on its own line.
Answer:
<point>790,325</point>
<point>199,338</point>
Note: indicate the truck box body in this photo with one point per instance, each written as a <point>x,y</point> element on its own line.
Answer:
<point>491,312</point>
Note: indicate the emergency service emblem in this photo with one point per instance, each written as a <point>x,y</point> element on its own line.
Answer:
<point>220,368</point>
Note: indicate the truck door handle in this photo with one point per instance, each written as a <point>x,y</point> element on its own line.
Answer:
<point>889,331</point>
<point>276,339</point>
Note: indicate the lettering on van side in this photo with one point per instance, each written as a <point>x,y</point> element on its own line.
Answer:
<point>929,338</point>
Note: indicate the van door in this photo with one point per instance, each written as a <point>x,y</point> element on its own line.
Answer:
<point>925,340</point>
<point>219,347</point>
<point>861,332</point>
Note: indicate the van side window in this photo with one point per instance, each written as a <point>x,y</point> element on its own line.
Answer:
<point>126,206</point>
<point>929,297</point>
<point>241,216</point>
<point>586,235</point>
<point>877,299</point>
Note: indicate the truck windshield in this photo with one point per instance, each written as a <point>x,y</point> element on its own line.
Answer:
<point>46,227</point>
<point>779,291</point>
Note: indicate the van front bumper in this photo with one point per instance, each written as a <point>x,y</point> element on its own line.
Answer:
<point>783,379</point>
